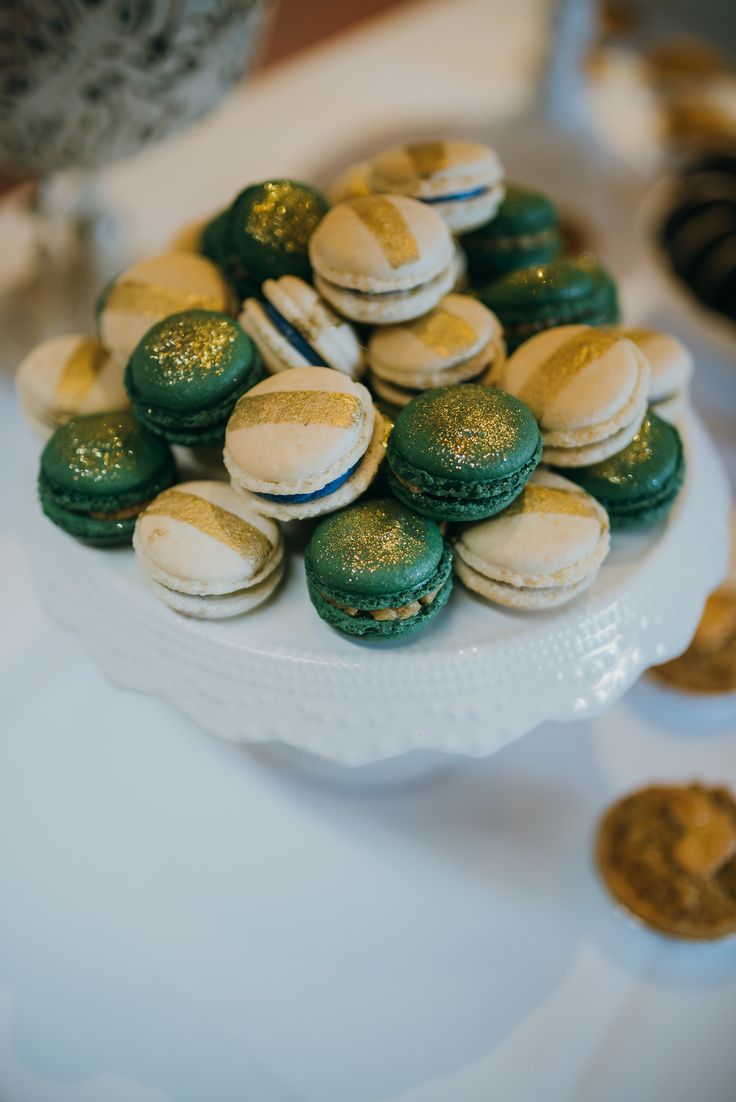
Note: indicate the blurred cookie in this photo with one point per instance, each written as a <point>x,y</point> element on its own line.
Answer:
<point>668,855</point>
<point>709,663</point>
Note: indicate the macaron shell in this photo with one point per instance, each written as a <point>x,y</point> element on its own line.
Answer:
<point>585,454</point>
<point>364,627</point>
<point>463,215</point>
<point>67,376</point>
<point>478,369</point>
<point>219,606</point>
<point>279,444</point>
<point>450,334</point>
<point>351,183</point>
<point>517,597</point>
<point>380,243</point>
<point>375,551</point>
<point>269,225</point>
<point>200,538</point>
<point>426,170</point>
<point>277,353</point>
<point>153,289</point>
<point>670,361</point>
<point>553,535</point>
<point>390,307</point>
<point>345,494</point>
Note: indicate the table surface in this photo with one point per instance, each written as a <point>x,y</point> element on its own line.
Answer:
<point>182,919</point>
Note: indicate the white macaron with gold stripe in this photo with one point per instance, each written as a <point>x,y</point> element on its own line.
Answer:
<point>66,376</point>
<point>541,551</point>
<point>459,341</point>
<point>587,388</point>
<point>205,554</point>
<point>152,290</point>
<point>382,258</point>
<point>303,443</point>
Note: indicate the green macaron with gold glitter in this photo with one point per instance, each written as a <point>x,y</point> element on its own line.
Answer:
<point>377,570</point>
<point>269,226</point>
<point>187,373</point>
<point>639,484</point>
<point>524,231</point>
<point>563,292</point>
<point>99,472</point>
<point>462,452</point>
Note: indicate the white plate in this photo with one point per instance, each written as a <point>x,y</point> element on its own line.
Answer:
<point>477,678</point>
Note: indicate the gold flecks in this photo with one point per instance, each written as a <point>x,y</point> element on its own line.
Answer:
<point>285,217</point>
<point>445,333</point>
<point>134,296</point>
<point>427,157</point>
<point>91,453</point>
<point>546,499</point>
<point>222,525</point>
<point>640,336</point>
<point>297,407</point>
<point>468,426</point>
<point>376,538</point>
<point>189,347</point>
<point>558,370</point>
<point>625,466</point>
<point>387,225</point>
<point>79,373</point>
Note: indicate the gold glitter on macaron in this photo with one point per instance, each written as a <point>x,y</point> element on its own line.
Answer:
<point>79,372</point>
<point>427,157</point>
<point>133,296</point>
<point>188,347</point>
<point>387,225</point>
<point>299,407</point>
<point>564,364</point>
<point>546,499</point>
<point>447,334</point>
<point>222,525</point>
<point>285,217</point>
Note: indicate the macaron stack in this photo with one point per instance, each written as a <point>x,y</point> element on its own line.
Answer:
<point>485,394</point>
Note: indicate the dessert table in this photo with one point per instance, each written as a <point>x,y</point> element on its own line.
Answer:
<point>183,919</point>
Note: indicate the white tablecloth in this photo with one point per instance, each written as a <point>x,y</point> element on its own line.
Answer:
<point>186,920</point>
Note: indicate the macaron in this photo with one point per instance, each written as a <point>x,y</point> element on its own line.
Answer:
<point>524,231</point>
<point>462,452</point>
<point>205,554</point>
<point>293,327</point>
<point>382,258</point>
<point>66,376</point>
<point>459,341</point>
<point>187,373</point>
<point>639,484</point>
<point>99,472</point>
<point>586,387</point>
<point>269,226</point>
<point>671,367</point>
<point>352,182</point>
<point>377,570</point>
<point>153,289</point>
<point>216,245</point>
<point>541,551</point>
<point>303,443</point>
<point>461,180</point>
<point>563,292</point>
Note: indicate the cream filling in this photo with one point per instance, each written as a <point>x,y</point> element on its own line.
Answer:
<point>382,615</point>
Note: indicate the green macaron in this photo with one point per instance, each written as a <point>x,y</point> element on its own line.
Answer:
<point>215,244</point>
<point>269,226</point>
<point>378,570</point>
<point>639,484</point>
<point>187,373</point>
<point>563,292</point>
<point>99,472</point>
<point>462,452</point>
<point>525,231</point>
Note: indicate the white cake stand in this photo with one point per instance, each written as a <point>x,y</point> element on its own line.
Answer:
<point>477,678</point>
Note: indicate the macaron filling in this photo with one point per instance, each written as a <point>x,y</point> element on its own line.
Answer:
<point>457,196</point>
<point>328,489</point>
<point>291,334</point>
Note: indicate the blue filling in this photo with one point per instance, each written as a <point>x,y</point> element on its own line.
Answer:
<point>298,498</point>
<point>293,336</point>
<point>457,196</point>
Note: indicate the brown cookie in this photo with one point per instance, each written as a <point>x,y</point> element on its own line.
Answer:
<point>668,854</point>
<point>709,663</point>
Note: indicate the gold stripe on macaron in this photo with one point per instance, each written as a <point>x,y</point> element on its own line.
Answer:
<point>427,157</point>
<point>387,225</point>
<point>80,371</point>
<point>212,520</point>
<point>545,499</point>
<point>297,407</point>
<point>560,368</point>
<point>443,332</point>
<point>135,296</point>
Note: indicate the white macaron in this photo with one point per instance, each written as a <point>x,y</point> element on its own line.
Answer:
<point>205,554</point>
<point>294,327</point>
<point>671,365</point>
